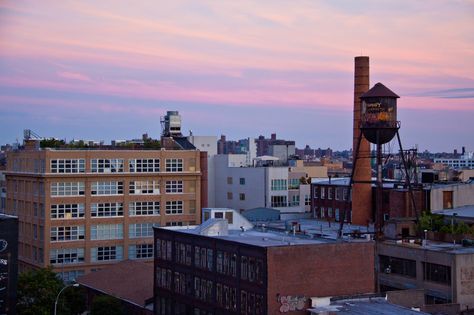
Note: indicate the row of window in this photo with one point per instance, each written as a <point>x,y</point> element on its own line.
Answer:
<point>143,187</point>
<point>230,180</point>
<point>115,209</point>
<point>251,268</point>
<point>407,267</point>
<point>70,166</point>
<point>202,289</point>
<point>65,256</point>
<point>328,193</point>
<point>100,232</point>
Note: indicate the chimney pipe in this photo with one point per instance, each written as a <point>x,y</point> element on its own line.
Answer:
<point>362,190</point>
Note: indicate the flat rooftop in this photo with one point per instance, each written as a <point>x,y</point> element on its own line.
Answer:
<point>367,306</point>
<point>461,212</point>
<point>275,233</point>
<point>434,246</point>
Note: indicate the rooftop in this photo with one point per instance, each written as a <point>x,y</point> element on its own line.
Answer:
<point>279,233</point>
<point>367,306</point>
<point>127,280</point>
<point>434,246</point>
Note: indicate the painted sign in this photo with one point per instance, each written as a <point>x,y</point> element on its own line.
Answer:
<point>291,303</point>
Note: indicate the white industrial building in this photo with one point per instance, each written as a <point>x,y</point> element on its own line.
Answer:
<point>241,186</point>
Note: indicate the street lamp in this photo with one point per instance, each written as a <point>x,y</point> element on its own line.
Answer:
<point>75,285</point>
<point>452,228</point>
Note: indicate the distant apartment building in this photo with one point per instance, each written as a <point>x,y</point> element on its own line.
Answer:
<point>218,269</point>
<point>241,186</point>
<point>465,161</point>
<point>282,149</point>
<point>243,146</point>
<point>81,209</point>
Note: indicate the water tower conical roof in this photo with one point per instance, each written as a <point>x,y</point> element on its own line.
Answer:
<point>379,90</point>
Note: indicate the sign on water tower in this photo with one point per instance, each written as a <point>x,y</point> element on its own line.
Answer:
<point>379,114</point>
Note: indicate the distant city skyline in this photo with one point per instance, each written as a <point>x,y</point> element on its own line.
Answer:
<point>108,70</point>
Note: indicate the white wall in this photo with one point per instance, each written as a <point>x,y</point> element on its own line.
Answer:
<point>463,195</point>
<point>208,144</point>
<point>254,187</point>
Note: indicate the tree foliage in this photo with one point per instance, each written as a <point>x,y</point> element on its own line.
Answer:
<point>37,291</point>
<point>106,305</point>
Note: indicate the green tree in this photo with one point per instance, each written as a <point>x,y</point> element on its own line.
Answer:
<point>72,301</point>
<point>106,305</point>
<point>37,290</point>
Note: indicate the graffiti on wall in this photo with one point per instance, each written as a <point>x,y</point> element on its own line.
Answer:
<point>291,303</point>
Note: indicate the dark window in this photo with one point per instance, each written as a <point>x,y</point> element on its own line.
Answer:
<point>399,266</point>
<point>437,273</point>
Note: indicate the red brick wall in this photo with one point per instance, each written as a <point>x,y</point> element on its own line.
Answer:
<point>319,271</point>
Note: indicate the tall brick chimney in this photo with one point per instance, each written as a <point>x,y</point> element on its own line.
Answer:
<point>361,190</point>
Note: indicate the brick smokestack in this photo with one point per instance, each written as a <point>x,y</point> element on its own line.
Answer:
<point>361,190</point>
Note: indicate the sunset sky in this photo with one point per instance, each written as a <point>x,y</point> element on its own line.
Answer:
<point>109,69</point>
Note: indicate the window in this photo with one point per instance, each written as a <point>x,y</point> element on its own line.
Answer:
<point>106,253</point>
<point>67,211</point>
<point>330,212</point>
<point>242,181</point>
<point>229,216</point>
<point>174,207</point>
<point>437,273</point>
<point>144,165</point>
<point>323,213</point>
<point>307,200</point>
<point>278,201</point>
<point>294,183</point>
<point>65,256</point>
<point>174,165</point>
<point>144,208</point>
<point>107,231</point>
<point>106,165</point>
<point>67,166</point>
<point>329,193</point>
<point>174,186</point>
<point>140,251</point>
<point>447,199</point>
<point>323,193</point>
<point>229,196</point>
<point>399,266</point>
<point>107,209</point>
<point>279,184</point>
<point>295,201</point>
<point>316,192</point>
<point>67,189</point>
<point>242,196</point>
<point>70,276</point>
<point>229,180</point>
<point>67,233</point>
<point>107,188</point>
<point>338,193</point>
<point>345,194</point>
<point>138,230</point>
<point>144,187</point>
<point>337,214</point>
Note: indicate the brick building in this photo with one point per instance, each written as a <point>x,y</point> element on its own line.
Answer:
<point>329,197</point>
<point>213,269</point>
<point>81,209</point>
